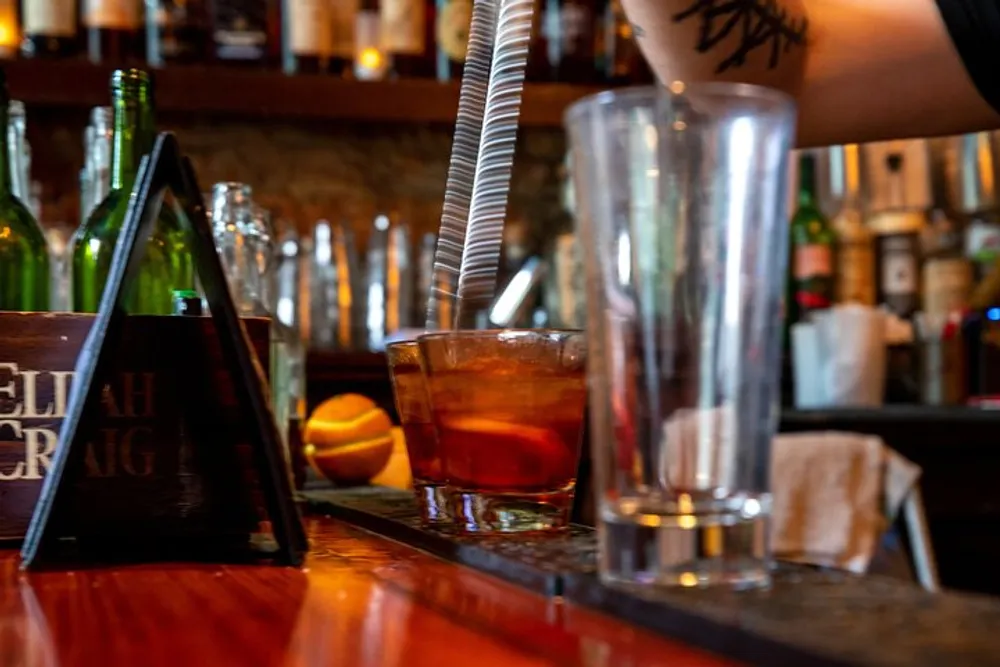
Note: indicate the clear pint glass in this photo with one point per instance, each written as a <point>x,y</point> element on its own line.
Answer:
<point>682,213</point>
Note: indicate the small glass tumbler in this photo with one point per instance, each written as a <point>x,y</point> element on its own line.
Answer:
<point>508,407</point>
<point>682,211</point>
<point>410,392</point>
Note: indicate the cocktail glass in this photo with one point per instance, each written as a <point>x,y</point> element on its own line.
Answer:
<point>410,393</point>
<point>508,407</point>
<point>681,206</point>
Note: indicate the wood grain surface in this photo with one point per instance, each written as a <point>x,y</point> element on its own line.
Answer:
<point>360,601</point>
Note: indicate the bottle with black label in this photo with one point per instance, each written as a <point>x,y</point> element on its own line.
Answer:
<point>176,31</point>
<point>50,29</point>
<point>308,39</point>
<point>898,231</point>
<point>452,23</point>
<point>112,30</point>
<point>568,35</point>
<point>240,31</point>
<point>407,36</point>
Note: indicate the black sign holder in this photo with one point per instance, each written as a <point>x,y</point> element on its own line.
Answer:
<point>166,169</point>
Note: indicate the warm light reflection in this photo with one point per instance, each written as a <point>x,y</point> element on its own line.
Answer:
<point>370,58</point>
<point>9,33</point>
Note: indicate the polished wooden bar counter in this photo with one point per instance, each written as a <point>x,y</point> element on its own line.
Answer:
<point>361,600</point>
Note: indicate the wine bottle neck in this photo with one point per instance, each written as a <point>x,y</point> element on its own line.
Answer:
<point>807,181</point>
<point>6,168</point>
<point>133,137</point>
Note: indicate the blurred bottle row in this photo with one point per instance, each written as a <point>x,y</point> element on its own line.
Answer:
<point>910,226</point>
<point>574,40</point>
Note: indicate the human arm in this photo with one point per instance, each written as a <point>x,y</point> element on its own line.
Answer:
<point>861,70</point>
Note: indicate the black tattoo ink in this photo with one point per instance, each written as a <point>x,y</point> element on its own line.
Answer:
<point>637,30</point>
<point>763,24</point>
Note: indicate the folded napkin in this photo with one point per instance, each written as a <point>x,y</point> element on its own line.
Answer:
<point>834,494</point>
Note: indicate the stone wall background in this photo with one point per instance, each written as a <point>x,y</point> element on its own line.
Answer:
<point>307,171</point>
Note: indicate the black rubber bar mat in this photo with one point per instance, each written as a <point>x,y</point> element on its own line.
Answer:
<point>808,617</point>
<point>537,563</point>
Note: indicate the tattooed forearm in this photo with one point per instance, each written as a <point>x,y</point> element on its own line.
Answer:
<point>759,24</point>
<point>637,30</point>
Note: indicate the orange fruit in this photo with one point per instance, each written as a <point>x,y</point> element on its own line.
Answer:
<point>495,453</point>
<point>348,439</point>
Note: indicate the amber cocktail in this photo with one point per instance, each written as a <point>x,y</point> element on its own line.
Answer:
<point>410,392</point>
<point>508,407</point>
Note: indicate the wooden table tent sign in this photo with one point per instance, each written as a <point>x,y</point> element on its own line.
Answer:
<point>51,529</point>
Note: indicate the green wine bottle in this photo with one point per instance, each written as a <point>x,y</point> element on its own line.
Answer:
<point>812,248</point>
<point>24,253</point>
<point>152,292</point>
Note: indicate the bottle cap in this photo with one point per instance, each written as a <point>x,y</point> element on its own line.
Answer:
<point>187,302</point>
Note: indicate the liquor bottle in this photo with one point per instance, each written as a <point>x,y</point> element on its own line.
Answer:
<point>812,246</point>
<point>370,61</point>
<point>240,31</point>
<point>404,36</point>
<point>947,272</point>
<point>342,19</point>
<point>306,48</point>
<point>897,231</point>
<point>161,271</point>
<point>24,253</point>
<point>855,274</point>
<point>568,32</point>
<point>454,18</point>
<point>112,30</point>
<point>176,31</point>
<point>50,29</point>
<point>620,61</point>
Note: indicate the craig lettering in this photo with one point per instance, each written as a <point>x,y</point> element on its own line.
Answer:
<point>33,404</point>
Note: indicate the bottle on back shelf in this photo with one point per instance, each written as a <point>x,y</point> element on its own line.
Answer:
<point>241,31</point>
<point>407,36</point>
<point>619,60</point>
<point>49,28</point>
<point>112,29</point>
<point>452,23</point>
<point>308,36</point>
<point>342,18</point>
<point>812,248</point>
<point>176,31</point>
<point>568,36</point>
<point>898,231</point>
<point>855,272</point>
<point>947,272</point>
<point>167,265</point>
<point>24,253</point>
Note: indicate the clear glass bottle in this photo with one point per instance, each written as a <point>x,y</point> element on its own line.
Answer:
<point>232,220</point>
<point>334,317</point>
<point>17,146</point>
<point>24,253</point>
<point>98,158</point>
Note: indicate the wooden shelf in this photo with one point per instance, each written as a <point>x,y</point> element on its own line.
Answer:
<point>266,94</point>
